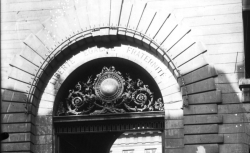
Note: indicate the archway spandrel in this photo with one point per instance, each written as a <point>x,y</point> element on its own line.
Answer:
<point>175,35</point>
<point>36,45</point>
<point>136,13</point>
<point>192,65</point>
<point>156,25</point>
<point>146,19</point>
<point>21,75</point>
<point>168,28</point>
<point>29,54</point>
<point>190,53</point>
<point>183,44</point>
<point>68,15</point>
<point>44,36</point>
<point>52,28</point>
<point>24,65</point>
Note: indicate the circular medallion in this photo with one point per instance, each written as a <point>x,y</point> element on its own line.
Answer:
<point>109,86</point>
<point>141,98</point>
<point>77,102</point>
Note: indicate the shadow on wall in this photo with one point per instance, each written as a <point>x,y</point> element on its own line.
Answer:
<point>233,108</point>
<point>227,82</point>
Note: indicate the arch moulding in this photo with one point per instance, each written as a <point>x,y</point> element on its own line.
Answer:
<point>158,71</point>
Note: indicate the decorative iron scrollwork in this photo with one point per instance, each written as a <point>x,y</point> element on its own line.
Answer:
<point>109,92</point>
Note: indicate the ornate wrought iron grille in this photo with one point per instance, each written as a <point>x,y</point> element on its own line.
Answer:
<point>110,123</point>
<point>150,125</point>
<point>109,92</point>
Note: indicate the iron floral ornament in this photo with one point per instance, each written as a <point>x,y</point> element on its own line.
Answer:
<point>109,92</point>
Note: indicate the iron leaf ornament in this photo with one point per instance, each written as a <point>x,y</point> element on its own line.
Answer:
<point>109,92</point>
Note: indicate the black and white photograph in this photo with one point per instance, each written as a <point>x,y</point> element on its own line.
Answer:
<point>125,76</point>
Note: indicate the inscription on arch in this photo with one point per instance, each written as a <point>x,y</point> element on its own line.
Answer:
<point>149,62</point>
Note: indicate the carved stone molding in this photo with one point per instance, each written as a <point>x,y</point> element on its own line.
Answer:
<point>109,92</point>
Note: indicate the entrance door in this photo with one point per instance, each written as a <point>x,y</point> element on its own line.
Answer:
<point>96,134</point>
<point>87,142</point>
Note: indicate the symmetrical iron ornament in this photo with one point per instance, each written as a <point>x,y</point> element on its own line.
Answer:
<point>102,127</point>
<point>109,92</point>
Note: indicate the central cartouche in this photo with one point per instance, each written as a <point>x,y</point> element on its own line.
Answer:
<point>109,87</point>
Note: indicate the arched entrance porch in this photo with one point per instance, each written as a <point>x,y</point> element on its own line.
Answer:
<point>137,108</point>
<point>46,51</point>
<point>131,117</point>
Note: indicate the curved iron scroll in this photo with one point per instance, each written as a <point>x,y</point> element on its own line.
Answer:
<point>109,92</point>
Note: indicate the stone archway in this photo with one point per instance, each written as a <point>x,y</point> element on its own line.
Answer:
<point>124,53</point>
<point>168,40</point>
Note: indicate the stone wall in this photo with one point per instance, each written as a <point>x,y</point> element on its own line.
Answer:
<point>34,45</point>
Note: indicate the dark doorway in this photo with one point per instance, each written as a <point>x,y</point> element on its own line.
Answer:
<point>87,142</point>
<point>96,134</point>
